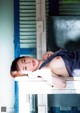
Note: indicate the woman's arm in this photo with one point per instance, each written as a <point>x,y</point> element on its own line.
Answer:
<point>50,78</point>
<point>58,82</point>
<point>48,54</point>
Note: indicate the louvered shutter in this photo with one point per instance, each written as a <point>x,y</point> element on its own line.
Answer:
<point>69,7</point>
<point>25,27</point>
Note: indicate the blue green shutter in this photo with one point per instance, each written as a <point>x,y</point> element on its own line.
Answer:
<point>25,19</point>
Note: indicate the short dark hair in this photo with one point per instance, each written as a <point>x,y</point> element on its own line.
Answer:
<point>14,66</point>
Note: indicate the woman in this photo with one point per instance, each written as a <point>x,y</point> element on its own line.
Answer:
<point>58,65</point>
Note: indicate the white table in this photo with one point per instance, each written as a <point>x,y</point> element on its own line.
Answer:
<point>25,87</point>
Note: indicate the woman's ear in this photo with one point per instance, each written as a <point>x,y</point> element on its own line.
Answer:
<point>16,73</point>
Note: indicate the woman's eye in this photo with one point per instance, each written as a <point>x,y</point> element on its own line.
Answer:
<point>25,68</point>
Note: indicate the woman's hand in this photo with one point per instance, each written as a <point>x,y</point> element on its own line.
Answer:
<point>47,55</point>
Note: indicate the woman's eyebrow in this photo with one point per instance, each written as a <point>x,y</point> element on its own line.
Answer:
<point>22,60</point>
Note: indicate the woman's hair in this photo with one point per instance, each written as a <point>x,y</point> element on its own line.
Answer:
<point>14,67</point>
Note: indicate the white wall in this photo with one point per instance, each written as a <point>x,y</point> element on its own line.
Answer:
<point>6,54</point>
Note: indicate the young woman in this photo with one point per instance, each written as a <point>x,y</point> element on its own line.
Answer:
<point>58,65</point>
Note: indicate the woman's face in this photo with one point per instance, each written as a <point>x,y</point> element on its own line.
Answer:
<point>28,64</point>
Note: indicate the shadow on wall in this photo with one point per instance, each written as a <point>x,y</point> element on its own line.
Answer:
<point>63,32</point>
<point>72,45</point>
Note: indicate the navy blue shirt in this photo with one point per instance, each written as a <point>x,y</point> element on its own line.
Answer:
<point>70,58</point>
